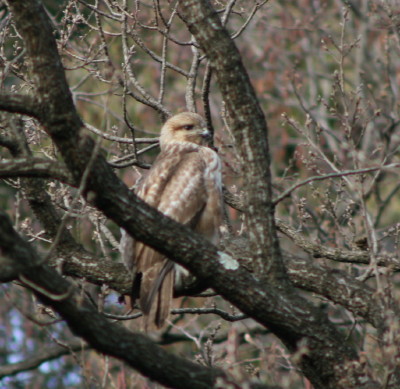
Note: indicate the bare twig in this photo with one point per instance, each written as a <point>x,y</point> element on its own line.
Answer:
<point>191,84</point>
<point>119,139</point>
<point>194,311</point>
<point>249,18</point>
<point>205,92</point>
<point>45,355</point>
<point>339,174</point>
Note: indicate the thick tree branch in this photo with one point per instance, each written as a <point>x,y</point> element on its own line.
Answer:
<point>318,250</point>
<point>250,132</point>
<point>22,104</point>
<point>83,319</point>
<point>334,285</point>
<point>9,269</point>
<point>35,167</point>
<point>337,254</point>
<point>340,288</point>
<point>249,128</point>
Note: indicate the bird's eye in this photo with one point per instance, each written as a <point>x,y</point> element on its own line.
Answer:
<point>188,127</point>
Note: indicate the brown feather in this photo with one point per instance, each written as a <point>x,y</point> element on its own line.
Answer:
<point>184,183</point>
<point>164,302</point>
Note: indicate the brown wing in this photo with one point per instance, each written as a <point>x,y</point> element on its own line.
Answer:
<point>176,187</point>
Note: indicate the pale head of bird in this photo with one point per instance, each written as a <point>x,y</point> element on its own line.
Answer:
<point>185,127</point>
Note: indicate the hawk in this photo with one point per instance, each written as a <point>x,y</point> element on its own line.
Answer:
<point>184,183</point>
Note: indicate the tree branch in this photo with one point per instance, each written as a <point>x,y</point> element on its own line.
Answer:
<point>84,320</point>
<point>35,167</point>
<point>250,132</point>
<point>345,173</point>
<point>338,287</point>
<point>249,129</point>
<point>336,254</point>
<point>315,249</point>
<point>22,104</point>
<point>40,357</point>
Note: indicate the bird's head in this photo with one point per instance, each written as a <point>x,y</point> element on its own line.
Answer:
<point>185,127</point>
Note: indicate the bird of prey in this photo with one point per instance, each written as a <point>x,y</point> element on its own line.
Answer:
<point>184,183</point>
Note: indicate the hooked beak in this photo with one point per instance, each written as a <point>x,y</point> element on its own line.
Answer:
<point>205,134</point>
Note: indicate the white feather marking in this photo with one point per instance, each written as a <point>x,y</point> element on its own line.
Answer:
<point>180,274</point>
<point>213,167</point>
<point>187,191</point>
